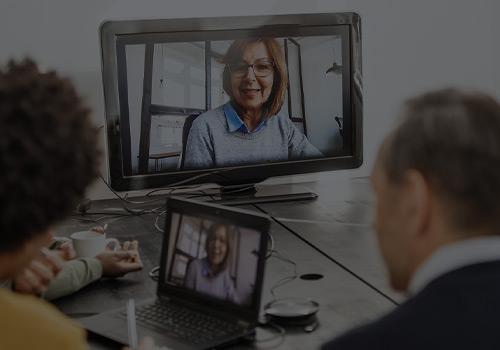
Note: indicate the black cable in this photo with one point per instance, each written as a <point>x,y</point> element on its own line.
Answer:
<point>270,250</point>
<point>281,333</point>
<point>156,221</point>
<point>175,185</point>
<point>154,273</point>
<point>81,218</point>
<point>88,213</point>
<point>163,198</point>
<point>170,189</point>
<point>141,211</point>
<point>124,199</point>
<point>287,279</point>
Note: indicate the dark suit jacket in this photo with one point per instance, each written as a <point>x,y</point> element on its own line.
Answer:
<point>459,310</point>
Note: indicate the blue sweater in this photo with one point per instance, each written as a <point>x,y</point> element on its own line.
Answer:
<point>210,143</point>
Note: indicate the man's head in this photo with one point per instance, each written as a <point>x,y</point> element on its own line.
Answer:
<point>437,178</point>
<point>48,152</point>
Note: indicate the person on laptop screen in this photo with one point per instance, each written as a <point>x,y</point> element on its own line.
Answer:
<point>248,128</point>
<point>210,274</point>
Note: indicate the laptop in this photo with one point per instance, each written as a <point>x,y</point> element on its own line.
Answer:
<point>210,280</point>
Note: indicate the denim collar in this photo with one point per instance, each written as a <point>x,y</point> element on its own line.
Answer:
<point>235,123</point>
<point>205,268</point>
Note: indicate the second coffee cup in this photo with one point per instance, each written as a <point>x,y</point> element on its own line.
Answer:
<point>91,243</point>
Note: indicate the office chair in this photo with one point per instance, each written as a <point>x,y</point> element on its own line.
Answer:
<point>185,132</point>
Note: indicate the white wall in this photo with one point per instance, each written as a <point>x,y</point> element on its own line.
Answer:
<point>322,93</point>
<point>408,46</point>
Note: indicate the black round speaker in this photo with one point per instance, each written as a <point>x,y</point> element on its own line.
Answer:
<point>288,312</point>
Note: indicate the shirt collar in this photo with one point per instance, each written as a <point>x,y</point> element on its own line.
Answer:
<point>235,123</point>
<point>452,257</point>
<point>205,269</point>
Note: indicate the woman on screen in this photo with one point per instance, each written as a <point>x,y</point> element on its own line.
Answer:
<point>248,128</point>
<point>210,275</point>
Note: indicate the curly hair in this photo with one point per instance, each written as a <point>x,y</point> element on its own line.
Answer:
<point>49,151</point>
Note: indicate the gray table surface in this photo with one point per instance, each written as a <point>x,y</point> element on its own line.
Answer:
<point>338,224</point>
<point>330,236</point>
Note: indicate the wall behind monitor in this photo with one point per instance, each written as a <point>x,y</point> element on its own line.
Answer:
<point>408,47</point>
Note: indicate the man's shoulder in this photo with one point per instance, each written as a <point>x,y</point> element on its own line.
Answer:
<point>45,323</point>
<point>452,311</point>
<point>395,330</point>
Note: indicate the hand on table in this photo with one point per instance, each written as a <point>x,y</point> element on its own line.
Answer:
<point>99,229</point>
<point>36,277</point>
<point>147,343</point>
<point>122,261</point>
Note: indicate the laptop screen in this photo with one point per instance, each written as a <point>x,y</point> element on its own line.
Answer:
<point>213,253</point>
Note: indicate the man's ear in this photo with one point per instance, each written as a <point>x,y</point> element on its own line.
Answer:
<point>418,202</point>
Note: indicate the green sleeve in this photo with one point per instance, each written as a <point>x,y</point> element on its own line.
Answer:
<point>75,275</point>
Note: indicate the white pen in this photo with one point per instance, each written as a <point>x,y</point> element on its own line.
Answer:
<point>132,330</point>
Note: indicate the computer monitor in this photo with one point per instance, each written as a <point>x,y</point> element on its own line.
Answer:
<point>174,90</point>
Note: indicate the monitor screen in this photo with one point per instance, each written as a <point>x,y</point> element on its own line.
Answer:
<point>231,100</point>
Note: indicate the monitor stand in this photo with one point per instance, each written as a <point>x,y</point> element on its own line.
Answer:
<point>254,194</point>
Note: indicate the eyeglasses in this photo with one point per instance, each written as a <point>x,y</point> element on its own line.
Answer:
<point>261,69</point>
<point>217,239</point>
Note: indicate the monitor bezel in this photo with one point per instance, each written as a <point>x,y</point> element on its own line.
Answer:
<point>115,33</point>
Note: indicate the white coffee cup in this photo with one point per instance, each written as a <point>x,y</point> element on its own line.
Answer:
<point>90,243</point>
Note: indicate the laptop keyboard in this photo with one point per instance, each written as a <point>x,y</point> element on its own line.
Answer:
<point>180,322</point>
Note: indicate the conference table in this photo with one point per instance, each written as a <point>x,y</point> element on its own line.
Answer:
<point>329,238</point>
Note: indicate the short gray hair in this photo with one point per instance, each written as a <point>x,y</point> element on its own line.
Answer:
<point>452,138</point>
